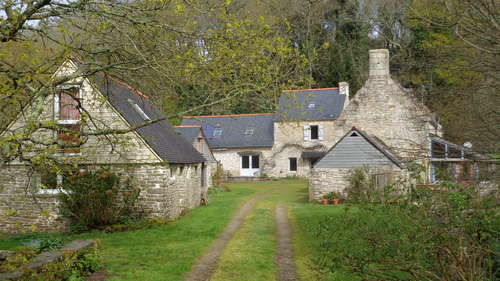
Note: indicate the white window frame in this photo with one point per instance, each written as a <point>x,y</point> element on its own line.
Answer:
<point>51,191</point>
<point>308,132</point>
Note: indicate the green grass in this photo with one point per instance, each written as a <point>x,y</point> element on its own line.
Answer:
<point>167,252</point>
<point>249,255</point>
<point>162,252</point>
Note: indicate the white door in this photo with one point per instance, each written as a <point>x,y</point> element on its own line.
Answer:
<point>250,165</point>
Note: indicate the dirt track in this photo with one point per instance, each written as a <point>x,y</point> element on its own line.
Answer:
<point>205,266</point>
<point>284,256</point>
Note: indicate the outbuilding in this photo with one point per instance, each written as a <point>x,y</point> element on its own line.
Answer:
<point>356,149</point>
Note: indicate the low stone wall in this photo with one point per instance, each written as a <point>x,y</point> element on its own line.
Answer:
<point>165,192</point>
<point>46,258</point>
<point>323,181</point>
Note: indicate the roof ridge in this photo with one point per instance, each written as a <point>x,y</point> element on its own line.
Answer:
<point>313,89</point>
<point>119,81</point>
<point>227,115</point>
<point>188,126</point>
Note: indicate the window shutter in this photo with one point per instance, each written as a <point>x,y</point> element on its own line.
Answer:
<point>307,133</point>
<point>320,132</point>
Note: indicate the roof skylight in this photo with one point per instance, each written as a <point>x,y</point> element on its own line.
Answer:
<point>218,132</point>
<point>139,110</point>
<point>249,131</point>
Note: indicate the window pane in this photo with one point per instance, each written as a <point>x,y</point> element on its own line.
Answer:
<point>314,132</point>
<point>293,164</point>
<point>48,180</point>
<point>245,162</point>
<point>68,105</point>
<point>438,150</point>
<point>255,161</point>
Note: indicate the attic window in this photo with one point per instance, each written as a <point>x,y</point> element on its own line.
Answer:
<point>354,134</point>
<point>312,105</point>
<point>218,132</point>
<point>67,106</point>
<point>249,131</point>
<point>139,110</point>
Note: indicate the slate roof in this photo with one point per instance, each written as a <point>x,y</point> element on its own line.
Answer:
<point>234,128</point>
<point>326,104</point>
<point>190,133</point>
<point>161,136</point>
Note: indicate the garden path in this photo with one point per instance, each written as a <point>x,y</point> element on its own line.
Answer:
<point>205,266</point>
<point>284,256</point>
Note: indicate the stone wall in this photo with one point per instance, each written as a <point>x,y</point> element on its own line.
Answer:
<point>289,142</point>
<point>231,161</point>
<point>165,192</point>
<point>23,210</point>
<point>324,180</point>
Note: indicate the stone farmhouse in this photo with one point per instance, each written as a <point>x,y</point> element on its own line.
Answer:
<point>308,123</point>
<point>167,168</point>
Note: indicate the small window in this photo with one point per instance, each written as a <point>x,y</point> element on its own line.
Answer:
<point>218,132</point>
<point>314,132</point>
<point>245,162</point>
<point>249,131</point>
<point>354,134</point>
<point>292,164</point>
<point>67,104</point>
<point>312,105</point>
<point>201,145</point>
<point>255,162</point>
<point>50,180</point>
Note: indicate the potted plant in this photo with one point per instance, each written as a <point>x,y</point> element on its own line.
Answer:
<point>327,198</point>
<point>334,197</point>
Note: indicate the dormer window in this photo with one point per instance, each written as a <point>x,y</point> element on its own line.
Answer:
<point>218,132</point>
<point>249,131</point>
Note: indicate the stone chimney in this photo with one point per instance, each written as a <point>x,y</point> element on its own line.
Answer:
<point>344,90</point>
<point>379,65</point>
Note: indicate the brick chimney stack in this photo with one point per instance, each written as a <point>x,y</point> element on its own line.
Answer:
<point>379,65</point>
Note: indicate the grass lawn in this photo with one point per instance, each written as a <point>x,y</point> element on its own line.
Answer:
<point>162,252</point>
<point>168,252</point>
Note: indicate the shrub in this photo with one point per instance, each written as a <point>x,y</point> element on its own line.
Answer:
<point>218,176</point>
<point>50,244</point>
<point>447,235</point>
<point>94,199</point>
<point>74,267</point>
